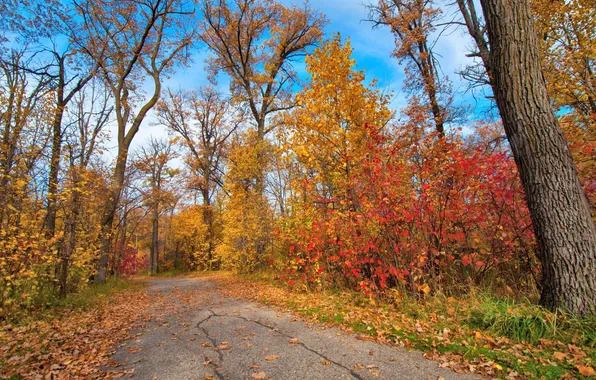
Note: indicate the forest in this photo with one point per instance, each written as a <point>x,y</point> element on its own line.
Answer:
<point>291,160</point>
<point>282,159</point>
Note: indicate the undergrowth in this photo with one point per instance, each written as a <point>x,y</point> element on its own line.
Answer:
<point>89,297</point>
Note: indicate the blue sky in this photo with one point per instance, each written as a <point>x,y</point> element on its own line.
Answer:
<point>372,51</point>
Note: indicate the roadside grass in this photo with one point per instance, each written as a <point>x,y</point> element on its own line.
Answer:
<point>479,333</point>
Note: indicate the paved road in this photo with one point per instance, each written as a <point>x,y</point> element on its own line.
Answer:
<point>197,333</point>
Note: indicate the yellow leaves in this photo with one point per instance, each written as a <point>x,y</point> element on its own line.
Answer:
<point>478,336</point>
<point>424,288</point>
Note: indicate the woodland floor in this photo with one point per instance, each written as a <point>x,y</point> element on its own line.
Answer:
<point>197,332</point>
<point>220,326</point>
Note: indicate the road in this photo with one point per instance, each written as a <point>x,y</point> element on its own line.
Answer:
<point>197,333</point>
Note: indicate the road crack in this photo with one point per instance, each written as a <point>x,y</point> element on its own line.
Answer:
<point>326,358</point>
<point>213,341</point>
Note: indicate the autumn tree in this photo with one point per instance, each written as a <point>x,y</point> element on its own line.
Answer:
<point>247,218</point>
<point>153,162</point>
<point>412,23</point>
<point>326,132</point>
<point>26,263</point>
<point>23,98</point>
<point>204,119</point>
<point>43,23</point>
<point>132,41</point>
<point>255,42</point>
<point>560,213</point>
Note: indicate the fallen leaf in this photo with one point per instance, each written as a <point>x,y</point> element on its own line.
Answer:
<point>559,356</point>
<point>325,362</point>
<point>294,341</point>
<point>271,357</point>
<point>259,375</point>
<point>586,370</point>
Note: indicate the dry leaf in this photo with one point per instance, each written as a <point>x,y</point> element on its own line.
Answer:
<point>294,341</point>
<point>586,370</point>
<point>272,357</point>
<point>259,375</point>
<point>559,356</point>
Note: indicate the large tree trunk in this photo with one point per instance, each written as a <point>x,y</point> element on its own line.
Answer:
<point>562,221</point>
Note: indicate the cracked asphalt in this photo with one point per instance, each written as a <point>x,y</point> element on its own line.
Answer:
<point>197,333</point>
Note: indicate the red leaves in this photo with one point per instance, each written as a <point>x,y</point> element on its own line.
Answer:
<point>405,215</point>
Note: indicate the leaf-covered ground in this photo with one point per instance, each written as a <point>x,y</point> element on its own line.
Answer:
<point>483,336</point>
<point>491,338</point>
<point>73,343</point>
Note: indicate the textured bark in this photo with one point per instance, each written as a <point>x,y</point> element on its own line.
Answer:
<point>560,213</point>
<point>154,258</point>
<point>109,212</point>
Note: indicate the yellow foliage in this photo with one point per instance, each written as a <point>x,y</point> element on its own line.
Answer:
<point>247,216</point>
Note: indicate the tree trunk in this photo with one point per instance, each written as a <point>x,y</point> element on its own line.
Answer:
<point>155,240</point>
<point>560,214</point>
<point>208,220</point>
<point>109,212</point>
<point>50,220</point>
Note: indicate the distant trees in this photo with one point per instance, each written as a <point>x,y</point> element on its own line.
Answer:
<point>129,41</point>
<point>153,163</point>
<point>204,120</point>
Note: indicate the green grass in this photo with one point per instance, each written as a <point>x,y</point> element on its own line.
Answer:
<point>523,322</point>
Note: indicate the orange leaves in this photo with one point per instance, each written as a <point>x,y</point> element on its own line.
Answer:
<point>424,288</point>
<point>586,371</point>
